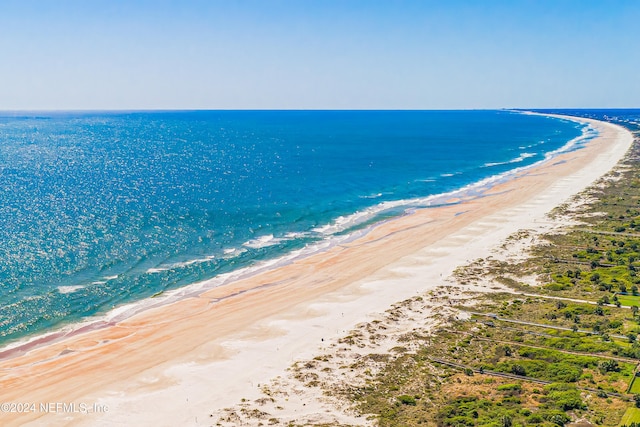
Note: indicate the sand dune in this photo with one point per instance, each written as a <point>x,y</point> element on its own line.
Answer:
<point>179,363</point>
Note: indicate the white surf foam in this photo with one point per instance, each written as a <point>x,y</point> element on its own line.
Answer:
<point>69,289</point>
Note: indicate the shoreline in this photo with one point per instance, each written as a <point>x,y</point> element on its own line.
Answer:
<point>293,308</point>
<point>468,192</point>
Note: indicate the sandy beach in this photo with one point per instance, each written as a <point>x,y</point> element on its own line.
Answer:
<point>180,363</point>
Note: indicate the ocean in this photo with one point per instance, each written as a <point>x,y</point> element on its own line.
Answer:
<point>100,210</point>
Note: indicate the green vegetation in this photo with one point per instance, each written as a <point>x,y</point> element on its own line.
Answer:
<point>629,300</point>
<point>634,386</point>
<point>568,353</point>
<point>474,411</point>
<point>407,400</point>
<point>632,415</point>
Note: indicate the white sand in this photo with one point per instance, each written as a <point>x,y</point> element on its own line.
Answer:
<point>179,364</point>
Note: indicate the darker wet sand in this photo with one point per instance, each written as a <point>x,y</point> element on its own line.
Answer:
<point>141,367</point>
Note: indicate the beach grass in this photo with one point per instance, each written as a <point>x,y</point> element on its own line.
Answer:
<point>558,344</point>
<point>514,339</point>
<point>575,355</point>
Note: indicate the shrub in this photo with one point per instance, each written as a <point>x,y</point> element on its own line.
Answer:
<point>556,417</point>
<point>609,366</point>
<point>510,387</point>
<point>518,370</point>
<point>615,324</point>
<point>461,421</point>
<point>564,372</point>
<point>564,396</point>
<point>558,387</point>
<point>535,419</point>
<point>405,399</point>
<point>556,286</point>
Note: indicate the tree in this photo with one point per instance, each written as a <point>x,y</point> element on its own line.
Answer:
<point>634,310</point>
<point>507,351</point>
<point>518,370</point>
<point>636,399</point>
<point>506,421</point>
<point>608,366</point>
<point>559,419</point>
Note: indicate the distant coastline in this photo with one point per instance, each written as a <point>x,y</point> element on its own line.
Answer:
<point>310,300</point>
<point>120,251</point>
<point>338,231</point>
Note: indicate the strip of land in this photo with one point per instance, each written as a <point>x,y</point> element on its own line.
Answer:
<point>182,363</point>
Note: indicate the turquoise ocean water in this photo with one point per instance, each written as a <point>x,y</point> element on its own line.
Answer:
<point>98,210</point>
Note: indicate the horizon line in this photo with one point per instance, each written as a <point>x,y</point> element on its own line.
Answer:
<point>132,110</point>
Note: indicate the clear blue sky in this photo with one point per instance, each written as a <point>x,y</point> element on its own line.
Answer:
<point>235,54</point>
